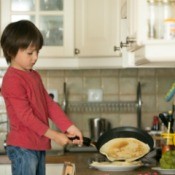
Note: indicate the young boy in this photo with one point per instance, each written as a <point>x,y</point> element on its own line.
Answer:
<point>28,104</point>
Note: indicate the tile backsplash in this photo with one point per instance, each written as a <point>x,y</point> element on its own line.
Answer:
<point>118,85</point>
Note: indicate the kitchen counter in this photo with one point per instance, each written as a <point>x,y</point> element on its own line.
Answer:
<point>81,161</point>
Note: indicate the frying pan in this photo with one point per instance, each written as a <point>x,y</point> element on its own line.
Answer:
<point>125,132</point>
<point>120,132</point>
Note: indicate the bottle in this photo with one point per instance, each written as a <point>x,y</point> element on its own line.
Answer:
<point>159,19</point>
<point>155,124</point>
<point>151,18</point>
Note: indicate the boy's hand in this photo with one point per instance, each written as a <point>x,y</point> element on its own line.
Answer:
<point>58,137</point>
<point>72,132</point>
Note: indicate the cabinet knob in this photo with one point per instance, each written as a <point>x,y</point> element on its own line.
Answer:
<point>77,51</point>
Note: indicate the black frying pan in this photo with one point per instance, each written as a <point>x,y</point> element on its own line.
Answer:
<point>125,132</point>
<point>120,132</point>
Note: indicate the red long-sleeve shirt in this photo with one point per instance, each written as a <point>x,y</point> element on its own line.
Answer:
<point>28,108</point>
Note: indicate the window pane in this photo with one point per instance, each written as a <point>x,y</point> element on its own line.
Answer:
<point>52,30</point>
<point>51,5</point>
<point>23,5</point>
<point>20,17</point>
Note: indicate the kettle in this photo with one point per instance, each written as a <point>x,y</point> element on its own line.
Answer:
<point>97,127</point>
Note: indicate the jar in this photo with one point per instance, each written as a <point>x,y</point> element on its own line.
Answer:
<point>173,8</point>
<point>169,28</point>
<point>169,19</point>
<point>155,19</point>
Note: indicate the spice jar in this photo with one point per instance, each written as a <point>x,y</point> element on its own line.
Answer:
<point>169,19</point>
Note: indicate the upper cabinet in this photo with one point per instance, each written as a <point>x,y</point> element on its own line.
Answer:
<point>72,29</point>
<point>151,31</point>
<point>54,18</point>
<point>97,28</point>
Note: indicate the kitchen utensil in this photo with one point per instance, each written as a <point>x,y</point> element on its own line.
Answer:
<point>166,118</point>
<point>97,127</point>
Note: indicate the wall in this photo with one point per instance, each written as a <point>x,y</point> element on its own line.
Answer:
<point>117,85</point>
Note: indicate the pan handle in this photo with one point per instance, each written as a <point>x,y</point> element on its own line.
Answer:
<point>86,141</point>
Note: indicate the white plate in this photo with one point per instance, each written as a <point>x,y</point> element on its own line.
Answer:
<point>115,167</point>
<point>164,171</point>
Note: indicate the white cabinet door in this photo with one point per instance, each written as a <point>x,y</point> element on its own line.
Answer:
<point>97,29</point>
<point>5,169</point>
<point>53,18</point>
<point>146,49</point>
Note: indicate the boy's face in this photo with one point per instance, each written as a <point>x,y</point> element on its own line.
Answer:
<point>25,59</point>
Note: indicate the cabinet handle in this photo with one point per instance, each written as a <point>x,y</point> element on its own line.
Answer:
<point>123,44</point>
<point>129,41</point>
<point>116,48</point>
<point>77,51</point>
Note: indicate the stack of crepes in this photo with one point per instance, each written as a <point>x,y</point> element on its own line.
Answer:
<point>124,151</point>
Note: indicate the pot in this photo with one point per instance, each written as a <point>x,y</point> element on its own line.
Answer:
<point>98,126</point>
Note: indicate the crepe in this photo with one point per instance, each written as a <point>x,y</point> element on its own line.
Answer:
<point>128,149</point>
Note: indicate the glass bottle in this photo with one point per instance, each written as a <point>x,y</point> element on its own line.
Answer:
<point>155,19</point>
<point>167,9</point>
<point>159,19</point>
<point>151,19</point>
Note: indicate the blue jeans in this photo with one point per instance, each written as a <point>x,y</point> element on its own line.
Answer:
<point>25,161</point>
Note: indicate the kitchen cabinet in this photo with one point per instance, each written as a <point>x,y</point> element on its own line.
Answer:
<point>97,28</point>
<point>88,29</point>
<point>53,18</point>
<point>156,50</point>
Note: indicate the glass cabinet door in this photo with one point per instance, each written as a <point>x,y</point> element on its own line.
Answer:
<point>54,18</point>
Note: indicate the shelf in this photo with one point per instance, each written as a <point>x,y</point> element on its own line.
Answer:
<point>106,106</point>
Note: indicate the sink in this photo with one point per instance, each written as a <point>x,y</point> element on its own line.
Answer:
<point>51,169</point>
